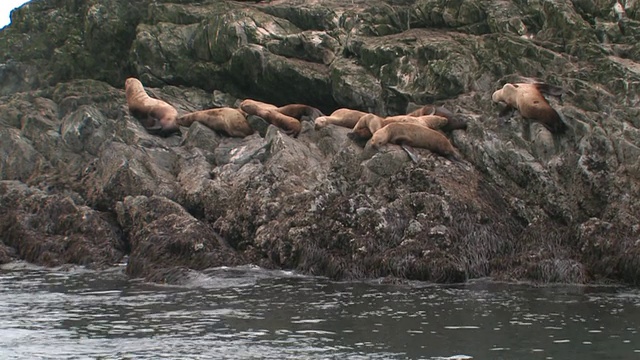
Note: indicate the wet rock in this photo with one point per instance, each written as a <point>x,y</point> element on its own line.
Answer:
<point>86,129</point>
<point>20,161</point>
<point>164,238</point>
<point>522,204</point>
<point>51,229</point>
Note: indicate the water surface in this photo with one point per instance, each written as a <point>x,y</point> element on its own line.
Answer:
<point>251,313</point>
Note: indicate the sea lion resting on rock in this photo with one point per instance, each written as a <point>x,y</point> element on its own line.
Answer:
<point>226,120</point>
<point>415,135</point>
<point>157,116</point>
<point>342,117</point>
<point>268,112</point>
<point>454,123</point>
<point>285,117</point>
<point>370,123</point>
<point>528,100</point>
<point>300,111</point>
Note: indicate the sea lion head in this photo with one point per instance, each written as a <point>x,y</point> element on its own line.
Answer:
<point>497,96</point>
<point>320,122</point>
<point>455,123</point>
<point>133,86</point>
<point>132,83</point>
<point>507,91</point>
<point>378,139</point>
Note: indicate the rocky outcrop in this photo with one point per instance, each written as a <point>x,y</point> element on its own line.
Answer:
<point>53,229</point>
<point>82,182</point>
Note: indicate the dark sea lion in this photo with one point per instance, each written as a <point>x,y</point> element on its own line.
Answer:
<point>290,125</point>
<point>342,117</point>
<point>369,124</point>
<point>455,122</point>
<point>157,116</point>
<point>529,101</point>
<point>229,121</point>
<point>414,135</point>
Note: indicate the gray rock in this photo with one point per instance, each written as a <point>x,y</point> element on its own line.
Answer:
<point>522,204</point>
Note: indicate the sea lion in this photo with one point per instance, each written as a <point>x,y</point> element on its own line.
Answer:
<point>300,111</point>
<point>270,113</point>
<point>543,87</point>
<point>435,122</point>
<point>365,127</point>
<point>528,100</point>
<point>342,117</point>
<point>283,116</point>
<point>226,120</point>
<point>369,124</point>
<point>455,122</point>
<point>261,104</point>
<point>414,135</point>
<point>157,116</point>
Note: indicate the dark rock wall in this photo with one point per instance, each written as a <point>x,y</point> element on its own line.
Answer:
<point>82,182</point>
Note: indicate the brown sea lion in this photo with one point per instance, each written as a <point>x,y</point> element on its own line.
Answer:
<point>270,113</point>
<point>369,124</point>
<point>226,120</point>
<point>415,135</point>
<point>297,111</point>
<point>528,100</point>
<point>435,122</point>
<point>455,122</point>
<point>365,127</point>
<point>300,111</point>
<point>543,87</point>
<point>157,116</point>
<point>342,117</point>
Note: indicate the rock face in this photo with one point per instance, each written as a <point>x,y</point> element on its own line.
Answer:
<point>82,182</point>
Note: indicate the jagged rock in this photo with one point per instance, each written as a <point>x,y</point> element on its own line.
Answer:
<point>51,229</point>
<point>20,161</point>
<point>523,204</point>
<point>164,238</point>
<point>121,170</point>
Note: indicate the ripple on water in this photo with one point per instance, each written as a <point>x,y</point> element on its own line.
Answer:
<point>247,312</point>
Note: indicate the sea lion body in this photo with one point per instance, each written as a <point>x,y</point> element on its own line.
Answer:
<point>528,100</point>
<point>415,135</point>
<point>369,124</point>
<point>300,111</point>
<point>342,117</point>
<point>290,125</point>
<point>157,116</point>
<point>454,123</point>
<point>435,122</point>
<point>226,120</point>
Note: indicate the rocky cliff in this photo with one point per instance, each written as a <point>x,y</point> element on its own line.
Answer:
<point>84,183</point>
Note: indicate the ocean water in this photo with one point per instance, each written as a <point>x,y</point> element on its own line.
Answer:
<point>252,313</point>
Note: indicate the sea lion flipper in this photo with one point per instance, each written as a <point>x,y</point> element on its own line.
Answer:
<point>456,160</point>
<point>409,150</point>
<point>432,111</point>
<point>150,123</point>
